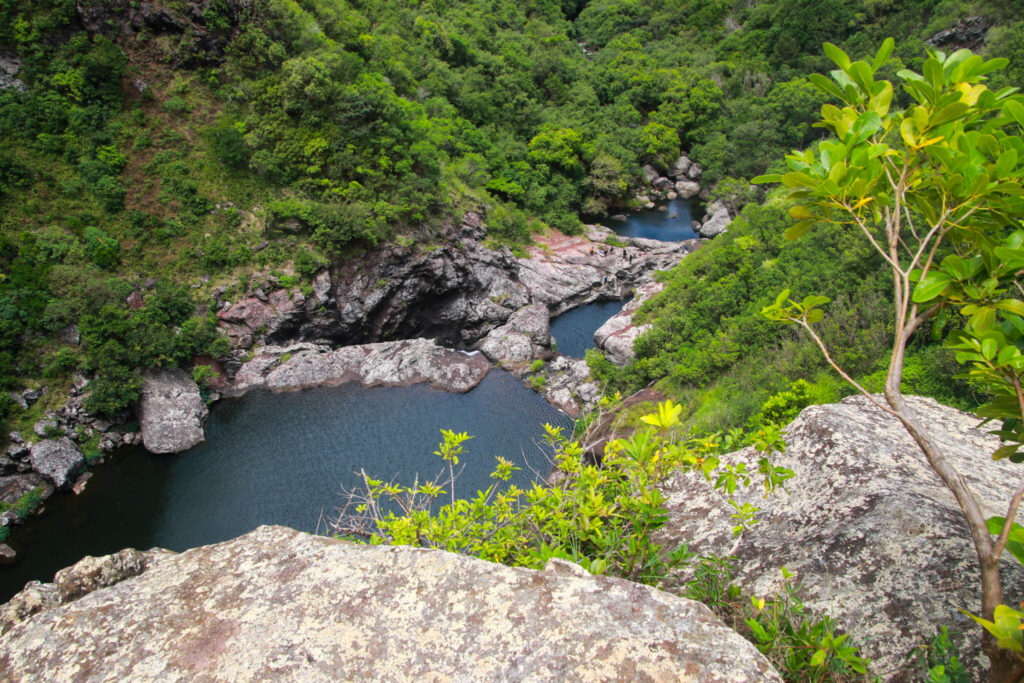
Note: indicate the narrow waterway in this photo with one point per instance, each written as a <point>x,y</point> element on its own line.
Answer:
<point>573,331</point>
<point>673,224</point>
<point>281,459</point>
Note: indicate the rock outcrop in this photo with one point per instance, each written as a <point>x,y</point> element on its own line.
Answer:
<point>200,43</point>
<point>171,411</point>
<point>872,534</point>
<point>456,293</point>
<point>567,385</point>
<point>525,336</point>
<point>716,221</point>
<point>59,460</point>
<point>617,335</point>
<point>279,604</point>
<point>13,487</point>
<point>305,365</point>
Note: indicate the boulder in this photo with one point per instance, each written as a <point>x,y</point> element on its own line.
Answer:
<point>650,173</point>
<point>873,535</point>
<point>277,604</point>
<point>662,183</point>
<point>617,335</point>
<point>171,411</point>
<point>717,220</point>
<point>59,460</point>
<point>694,172</point>
<point>680,167</point>
<point>526,334</point>
<point>687,188</point>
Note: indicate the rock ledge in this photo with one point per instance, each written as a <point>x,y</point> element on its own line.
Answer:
<point>279,604</point>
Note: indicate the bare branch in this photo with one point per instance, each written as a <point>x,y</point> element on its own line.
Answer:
<point>1011,514</point>
<point>842,373</point>
<point>871,238</point>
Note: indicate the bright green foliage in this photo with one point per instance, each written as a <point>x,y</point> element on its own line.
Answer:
<point>601,516</point>
<point>936,189</point>
<point>942,661</point>
<point>803,648</point>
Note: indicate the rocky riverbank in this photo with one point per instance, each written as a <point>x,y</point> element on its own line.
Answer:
<point>394,316</point>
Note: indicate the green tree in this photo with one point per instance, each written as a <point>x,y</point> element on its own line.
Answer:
<point>936,190</point>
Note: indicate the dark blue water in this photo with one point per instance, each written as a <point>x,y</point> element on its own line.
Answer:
<point>281,459</point>
<point>574,330</point>
<point>671,225</point>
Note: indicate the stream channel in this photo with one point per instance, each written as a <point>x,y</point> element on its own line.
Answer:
<point>283,458</point>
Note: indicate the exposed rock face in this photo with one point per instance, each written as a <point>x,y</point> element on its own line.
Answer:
<point>304,365</point>
<point>278,604</point>
<point>59,460</point>
<point>568,386</point>
<point>10,65</point>
<point>200,44</point>
<point>171,411</point>
<point>526,334</point>
<point>13,487</point>
<point>717,220</point>
<point>562,273</point>
<point>871,532</point>
<point>456,293</point>
<point>617,335</point>
<point>969,33</point>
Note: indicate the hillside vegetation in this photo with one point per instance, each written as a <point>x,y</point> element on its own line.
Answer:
<point>196,143</point>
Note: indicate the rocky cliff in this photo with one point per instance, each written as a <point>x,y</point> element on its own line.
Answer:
<point>282,605</point>
<point>871,532</point>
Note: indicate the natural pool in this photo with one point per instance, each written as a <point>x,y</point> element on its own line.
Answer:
<point>281,459</point>
<point>671,225</point>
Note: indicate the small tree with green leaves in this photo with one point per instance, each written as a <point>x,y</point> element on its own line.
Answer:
<point>935,188</point>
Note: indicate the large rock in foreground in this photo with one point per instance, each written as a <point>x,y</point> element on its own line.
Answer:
<point>279,604</point>
<point>171,411</point>
<point>872,533</point>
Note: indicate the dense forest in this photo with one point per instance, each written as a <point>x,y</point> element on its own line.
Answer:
<point>189,144</point>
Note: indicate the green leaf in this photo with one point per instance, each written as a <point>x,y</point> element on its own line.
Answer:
<point>827,86</point>
<point>819,658</point>
<point>948,113</point>
<point>883,54</point>
<point>798,230</point>
<point>767,178</point>
<point>1015,109</point>
<point>841,59</point>
<point>801,213</point>
<point>815,315</point>
<point>1015,306</point>
<point>931,286</point>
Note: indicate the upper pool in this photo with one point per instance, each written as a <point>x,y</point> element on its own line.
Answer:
<point>673,224</point>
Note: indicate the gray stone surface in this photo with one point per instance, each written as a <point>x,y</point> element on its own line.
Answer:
<point>59,460</point>
<point>687,188</point>
<point>680,167</point>
<point>717,220</point>
<point>171,411</point>
<point>300,366</point>
<point>526,334</point>
<point>617,335</point>
<point>277,604</point>
<point>871,532</point>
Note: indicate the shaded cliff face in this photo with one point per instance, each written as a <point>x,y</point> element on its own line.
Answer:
<point>871,532</point>
<point>455,293</point>
<point>279,604</point>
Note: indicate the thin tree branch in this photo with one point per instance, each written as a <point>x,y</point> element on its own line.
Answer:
<point>1011,514</point>
<point>842,373</point>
